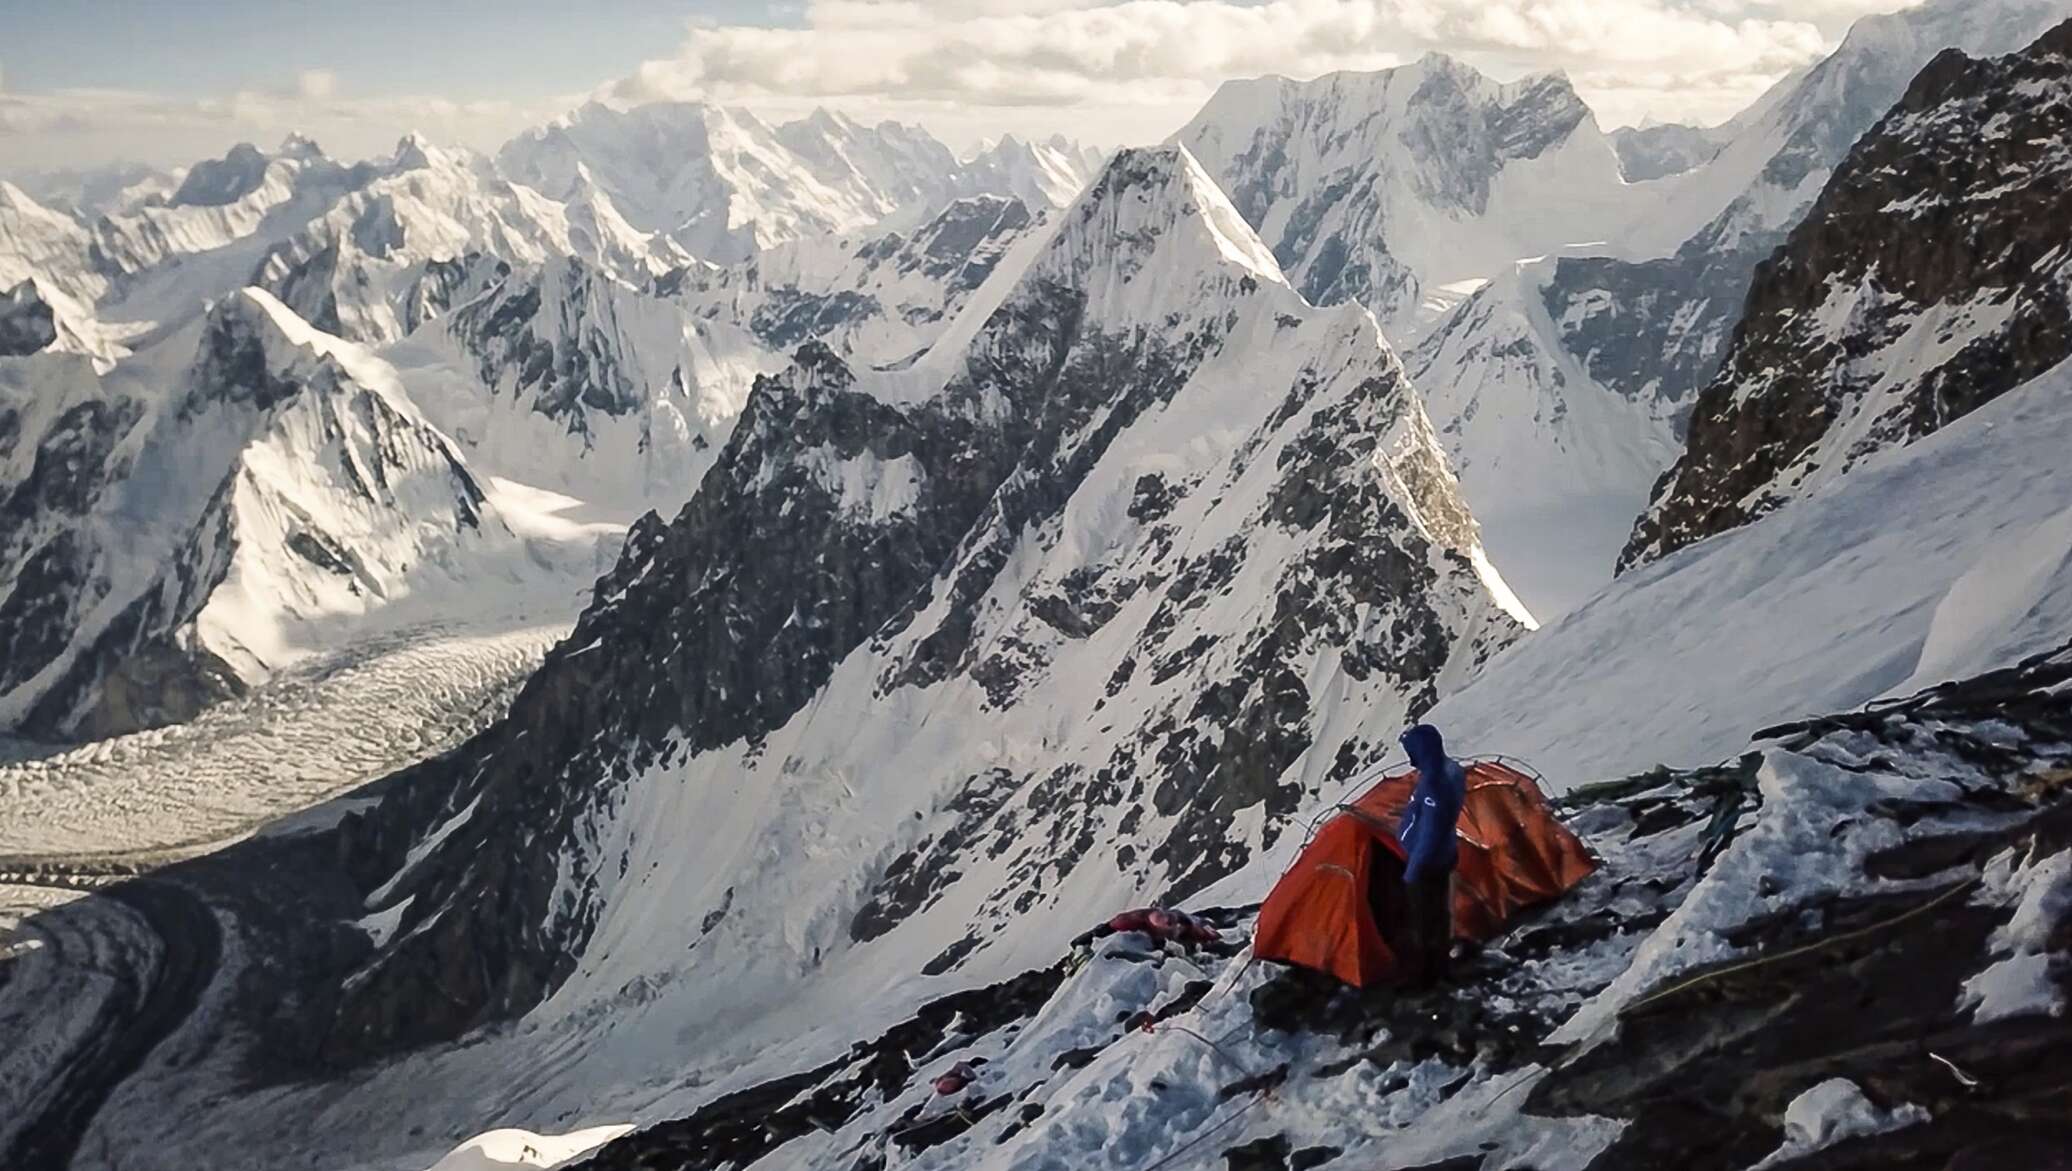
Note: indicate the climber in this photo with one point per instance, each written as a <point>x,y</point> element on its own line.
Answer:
<point>1427,835</point>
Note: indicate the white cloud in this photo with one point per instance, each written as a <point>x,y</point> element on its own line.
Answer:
<point>1105,71</point>
<point>1669,58</point>
<point>75,127</point>
<point>316,84</point>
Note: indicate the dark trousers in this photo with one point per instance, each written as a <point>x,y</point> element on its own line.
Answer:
<point>1431,927</point>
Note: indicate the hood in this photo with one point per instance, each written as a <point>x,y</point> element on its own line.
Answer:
<point>1426,748</point>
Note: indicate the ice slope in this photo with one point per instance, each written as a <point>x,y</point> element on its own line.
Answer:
<point>1932,562</point>
<point>567,378</point>
<point>184,528</point>
<point>1085,621</point>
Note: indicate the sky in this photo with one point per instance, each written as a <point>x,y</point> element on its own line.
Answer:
<point>86,82</point>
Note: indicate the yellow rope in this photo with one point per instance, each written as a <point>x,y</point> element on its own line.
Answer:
<point>1807,949</point>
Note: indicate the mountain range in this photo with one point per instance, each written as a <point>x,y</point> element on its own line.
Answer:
<point>953,552</point>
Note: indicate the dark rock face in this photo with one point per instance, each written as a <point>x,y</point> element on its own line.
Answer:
<point>27,322</point>
<point>215,182</point>
<point>765,539</point>
<point>1654,330</point>
<point>547,334</point>
<point>1925,282</point>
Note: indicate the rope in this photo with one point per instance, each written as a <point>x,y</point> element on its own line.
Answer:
<point>1806,949</point>
<point>1230,1117</point>
<point>1233,1062</point>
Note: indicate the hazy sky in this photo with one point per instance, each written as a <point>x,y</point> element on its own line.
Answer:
<point>168,81</point>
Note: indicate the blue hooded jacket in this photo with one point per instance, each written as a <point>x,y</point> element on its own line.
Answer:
<point>1434,810</point>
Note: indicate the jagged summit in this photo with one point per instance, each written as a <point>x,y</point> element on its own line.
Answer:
<point>215,182</point>
<point>296,144</point>
<point>1153,214</point>
<point>1398,188</point>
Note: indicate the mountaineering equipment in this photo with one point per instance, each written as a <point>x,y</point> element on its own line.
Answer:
<point>1514,854</point>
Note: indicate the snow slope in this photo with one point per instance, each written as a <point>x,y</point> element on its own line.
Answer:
<point>1553,462</point>
<point>1879,585</point>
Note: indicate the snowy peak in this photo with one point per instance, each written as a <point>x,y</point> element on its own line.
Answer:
<point>215,182</point>
<point>1776,161</point>
<point>176,544</point>
<point>724,184</point>
<point>1921,285</point>
<point>1154,231</point>
<point>1392,189</point>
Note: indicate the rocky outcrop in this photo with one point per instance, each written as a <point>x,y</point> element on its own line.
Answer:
<point>27,321</point>
<point>1914,975</point>
<point>1924,282</point>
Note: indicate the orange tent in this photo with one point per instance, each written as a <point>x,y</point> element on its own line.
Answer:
<point>1514,854</point>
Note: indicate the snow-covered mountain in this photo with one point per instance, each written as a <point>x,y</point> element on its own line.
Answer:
<point>1924,282</point>
<point>882,298</point>
<point>725,184</point>
<point>88,192</point>
<point>575,381</point>
<point>1588,340</point>
<point>50,247</point>
<point>246,195</point>
<point>1064,614</point>
<point>1042,175</point>
<point>1403,189</point>
<point>1752,890</point>
<point>393,254</point>
<point>176,533</point>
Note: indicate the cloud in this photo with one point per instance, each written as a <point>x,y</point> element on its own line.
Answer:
<point>316,84</point>
<point>74,127</point>
<point>1666,57</point>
